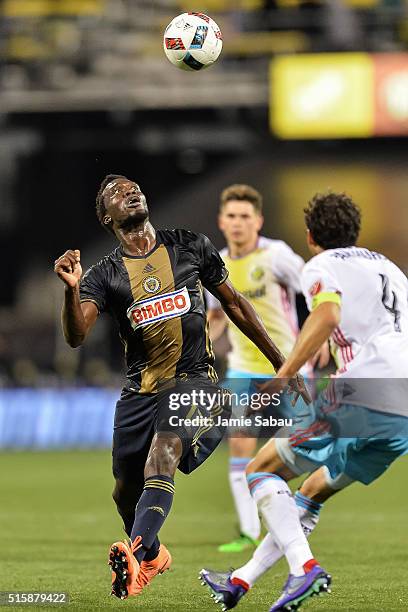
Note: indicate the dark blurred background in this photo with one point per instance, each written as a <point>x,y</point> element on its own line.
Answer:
<point>86,90</point>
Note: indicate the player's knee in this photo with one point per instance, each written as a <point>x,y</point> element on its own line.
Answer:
<point>164,456</point>
<point>260,464</point>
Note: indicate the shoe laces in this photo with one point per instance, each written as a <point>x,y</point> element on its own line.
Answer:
<point>143,577</point>
<point>135,545</point>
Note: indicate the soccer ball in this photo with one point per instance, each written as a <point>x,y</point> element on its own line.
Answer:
<point>192,41</point>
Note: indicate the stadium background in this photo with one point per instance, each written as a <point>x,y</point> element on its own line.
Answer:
<point>306,96</point>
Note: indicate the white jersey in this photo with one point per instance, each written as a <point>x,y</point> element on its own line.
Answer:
<point>268,277</point>
<point>371,340</point>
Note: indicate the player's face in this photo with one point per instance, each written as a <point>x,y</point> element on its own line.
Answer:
<point>239,222</point>
<point>125,203</point>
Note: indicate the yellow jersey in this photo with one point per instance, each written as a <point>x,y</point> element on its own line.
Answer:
<point>268,277</point>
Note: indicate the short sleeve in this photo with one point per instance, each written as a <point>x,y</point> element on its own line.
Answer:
<point>319,284</point>
<point>92,288</point>
<point>287,267</point>
<point>212,269</point>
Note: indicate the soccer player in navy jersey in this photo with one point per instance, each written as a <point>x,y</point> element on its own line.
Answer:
<point>152,284</point>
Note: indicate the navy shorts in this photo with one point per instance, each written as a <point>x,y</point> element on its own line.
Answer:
<point>139,416</point>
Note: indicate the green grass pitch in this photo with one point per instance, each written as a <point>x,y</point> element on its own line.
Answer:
<point>58,520</point>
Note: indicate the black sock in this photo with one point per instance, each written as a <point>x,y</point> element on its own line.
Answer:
<point>128,517</point>
<point>153,550</point>
<point>151,511</point>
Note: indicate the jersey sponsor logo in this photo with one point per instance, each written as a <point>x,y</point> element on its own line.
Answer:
<point>257,273</point>
<point>315,288</point>
<point>151,284</point>
<point>159,308</point>
<point>253,294</point>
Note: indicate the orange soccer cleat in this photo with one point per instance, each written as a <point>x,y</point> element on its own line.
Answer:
<point>125,568</point>
<point>150,569</point>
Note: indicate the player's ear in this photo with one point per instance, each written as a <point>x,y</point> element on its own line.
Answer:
<point>220,221</point>
<point>311,241</point>
<point>260,222</point>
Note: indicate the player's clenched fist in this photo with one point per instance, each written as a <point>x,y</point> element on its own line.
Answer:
<point>68,267</point>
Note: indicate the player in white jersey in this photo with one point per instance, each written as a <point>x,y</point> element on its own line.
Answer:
<point>267,272</point>
<point>359,299</point>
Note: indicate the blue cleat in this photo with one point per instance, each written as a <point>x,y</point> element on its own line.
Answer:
<point>223,591</point>
<point>299,588</point>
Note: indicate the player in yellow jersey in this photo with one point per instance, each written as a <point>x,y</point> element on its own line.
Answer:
<point>267,272</point>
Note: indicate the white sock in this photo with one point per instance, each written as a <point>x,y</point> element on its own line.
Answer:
<point>309,512</point>
<point>245,506</point>
<point>268,552</point>
<point>280,514</point>
<point>266,555</point>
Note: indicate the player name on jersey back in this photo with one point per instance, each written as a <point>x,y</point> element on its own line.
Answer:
<point>371,340</point>
<point>159,308</point>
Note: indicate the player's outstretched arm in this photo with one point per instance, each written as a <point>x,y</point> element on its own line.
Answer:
<point>243,314</point>
<point>77,318</point>
<point>317,329</point>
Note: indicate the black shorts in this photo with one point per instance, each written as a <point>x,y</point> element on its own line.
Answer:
<point>138,417</point>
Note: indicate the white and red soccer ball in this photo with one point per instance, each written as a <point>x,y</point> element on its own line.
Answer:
<point>192,41</point>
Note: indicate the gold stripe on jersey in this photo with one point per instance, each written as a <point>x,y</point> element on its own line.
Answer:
<point>91,300</point>
<point>191,412</point>
<point>200,432</point>
<point>216,411</point>
<point>163,343</point>
<point>211,373</point>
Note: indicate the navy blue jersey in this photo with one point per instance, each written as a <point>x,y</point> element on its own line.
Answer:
<point>157,301</point>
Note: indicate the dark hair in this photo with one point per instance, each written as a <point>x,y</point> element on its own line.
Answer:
<point>244,193</point>
<point>100,204</point>
<point>333,220</point>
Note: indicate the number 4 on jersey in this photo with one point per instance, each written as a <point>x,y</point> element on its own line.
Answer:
<point>390,302</point>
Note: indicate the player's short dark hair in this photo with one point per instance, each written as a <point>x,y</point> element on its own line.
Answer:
<point>333,220</point>
<point>244,193</point>
<point>100,204</point>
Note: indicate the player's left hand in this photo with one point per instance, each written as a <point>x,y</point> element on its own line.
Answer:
<point>294,386</point>
<point>297,386</point>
